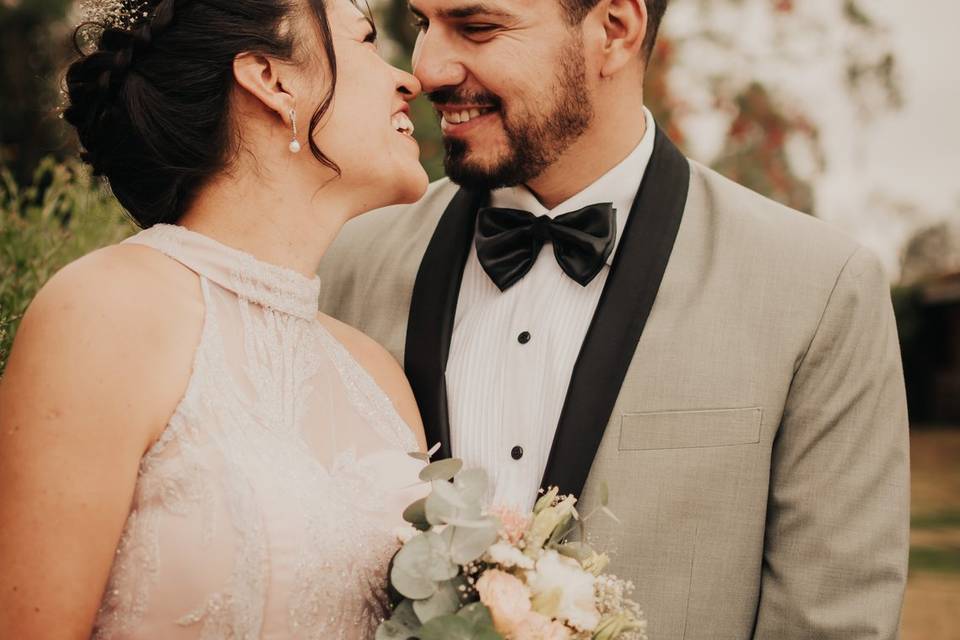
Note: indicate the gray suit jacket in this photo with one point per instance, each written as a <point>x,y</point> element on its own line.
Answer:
<point>755,443</point>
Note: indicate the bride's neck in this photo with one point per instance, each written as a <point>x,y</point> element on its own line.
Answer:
<point>278,219</point>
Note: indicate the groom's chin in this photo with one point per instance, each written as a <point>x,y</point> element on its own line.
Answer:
<point>464,167</point>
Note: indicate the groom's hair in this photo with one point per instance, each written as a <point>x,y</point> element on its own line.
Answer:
<point>577,10</point>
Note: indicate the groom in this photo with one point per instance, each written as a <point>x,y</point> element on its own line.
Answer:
<point>727,366</point>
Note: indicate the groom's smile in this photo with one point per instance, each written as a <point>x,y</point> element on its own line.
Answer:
<point>457,120</point>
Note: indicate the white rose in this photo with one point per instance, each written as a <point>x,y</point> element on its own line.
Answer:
<point>507,555</point>
<point>565,591</point>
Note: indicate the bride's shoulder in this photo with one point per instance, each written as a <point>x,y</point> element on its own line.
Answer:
<point>118,325</point>
<point>121,286</point>
<point>382,366</point>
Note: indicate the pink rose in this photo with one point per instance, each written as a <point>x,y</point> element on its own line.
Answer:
<point>536,626</point>
<point>513,523</point>
<point>507,598</point>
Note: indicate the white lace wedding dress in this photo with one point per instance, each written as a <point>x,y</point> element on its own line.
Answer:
<point>268,506</point>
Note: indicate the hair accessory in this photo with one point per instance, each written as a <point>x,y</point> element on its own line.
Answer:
<point>116,14</point>
<point>294,144</point>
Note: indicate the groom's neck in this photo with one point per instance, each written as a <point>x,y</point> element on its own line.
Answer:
<point>612,135</point>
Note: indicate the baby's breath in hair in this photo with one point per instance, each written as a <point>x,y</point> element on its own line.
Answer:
<point>118,14</point>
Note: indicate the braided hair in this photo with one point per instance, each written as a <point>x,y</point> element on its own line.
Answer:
<point>150,103</point>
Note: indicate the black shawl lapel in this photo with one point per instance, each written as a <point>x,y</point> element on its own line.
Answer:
<point>621,315</point>
<point>432,311</point>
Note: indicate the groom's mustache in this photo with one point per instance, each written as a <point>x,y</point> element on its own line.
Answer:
<point>453,97</point>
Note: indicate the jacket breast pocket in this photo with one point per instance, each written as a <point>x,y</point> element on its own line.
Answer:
<point>690,429</point>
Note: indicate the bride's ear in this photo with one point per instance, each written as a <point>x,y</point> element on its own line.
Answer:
<point>259,75</point>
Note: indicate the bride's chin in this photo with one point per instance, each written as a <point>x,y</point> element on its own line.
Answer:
<point>412,186</point>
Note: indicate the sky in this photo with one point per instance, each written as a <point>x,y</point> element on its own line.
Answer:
<point>887,175</point>
<point>912,155</point>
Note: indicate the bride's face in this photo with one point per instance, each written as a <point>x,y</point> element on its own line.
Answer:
<point>366,130</point>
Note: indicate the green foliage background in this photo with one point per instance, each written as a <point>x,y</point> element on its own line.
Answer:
<point>58,217</point>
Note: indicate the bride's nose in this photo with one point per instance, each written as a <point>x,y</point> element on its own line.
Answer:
<point>407,85</point>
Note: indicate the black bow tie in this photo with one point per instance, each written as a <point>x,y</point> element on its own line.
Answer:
<point>509,241</point>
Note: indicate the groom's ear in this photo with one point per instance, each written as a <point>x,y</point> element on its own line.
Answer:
<point>259,76</point>
<point>625,25</point>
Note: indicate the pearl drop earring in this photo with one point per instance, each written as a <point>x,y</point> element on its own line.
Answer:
<point>294,144</point>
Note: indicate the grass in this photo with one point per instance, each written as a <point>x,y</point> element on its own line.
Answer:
<point>935,520</point>
<point>934,560</point>
<point>946,519</point>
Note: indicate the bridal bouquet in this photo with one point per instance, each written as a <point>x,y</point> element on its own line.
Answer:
<point>465,573</point>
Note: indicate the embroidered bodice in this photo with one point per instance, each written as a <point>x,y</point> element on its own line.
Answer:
<point>268,506</point>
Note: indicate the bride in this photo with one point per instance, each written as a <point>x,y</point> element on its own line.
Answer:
<point>187,448</point>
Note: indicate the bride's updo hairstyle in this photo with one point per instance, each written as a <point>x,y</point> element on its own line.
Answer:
<point>150,99</point>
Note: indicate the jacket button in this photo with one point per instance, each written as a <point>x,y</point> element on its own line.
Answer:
<point>524,337</point>
<point>517,452</point>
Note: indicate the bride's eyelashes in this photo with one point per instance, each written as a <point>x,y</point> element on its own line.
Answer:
<point>371,37</point>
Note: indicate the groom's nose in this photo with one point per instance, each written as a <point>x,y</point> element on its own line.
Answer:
<point>435,63</point>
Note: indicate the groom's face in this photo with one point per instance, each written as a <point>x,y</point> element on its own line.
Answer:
<point>508,78</point>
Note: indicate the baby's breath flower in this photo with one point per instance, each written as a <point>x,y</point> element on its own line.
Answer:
<point>119,14</point>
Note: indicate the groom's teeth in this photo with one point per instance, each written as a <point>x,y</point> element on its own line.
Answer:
<point>459,117</point>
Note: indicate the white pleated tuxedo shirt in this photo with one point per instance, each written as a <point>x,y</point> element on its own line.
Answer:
<point>513,352</point>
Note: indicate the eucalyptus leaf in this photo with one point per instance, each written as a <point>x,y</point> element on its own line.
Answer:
<point>448,502</point>
<point>451,494</point>
<point>604,493</point>
<point>469,543</point>
<point>478,614</point>
<point>444,602</point>
<point>411,585</point>
<point>446,534</point>
<point>478,523</point>
<point>402,625</point>
<point>449,627</point>
<point>445,503</point>
<point>441,469</point>
<point>455,627</point>
<point>422,562</point>
<point>473,484</point>
<point>416,514</point>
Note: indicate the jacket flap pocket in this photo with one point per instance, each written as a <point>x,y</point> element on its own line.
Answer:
<point>686,429</point>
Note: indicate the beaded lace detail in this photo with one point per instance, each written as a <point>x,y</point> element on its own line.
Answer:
<point>267,506</point>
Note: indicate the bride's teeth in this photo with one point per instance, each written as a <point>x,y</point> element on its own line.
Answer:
<point>402,123</point>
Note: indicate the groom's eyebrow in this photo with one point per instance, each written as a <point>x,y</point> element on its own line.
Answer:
<point>465,11</point>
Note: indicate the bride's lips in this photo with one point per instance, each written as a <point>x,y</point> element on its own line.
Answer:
<point>461,119</point>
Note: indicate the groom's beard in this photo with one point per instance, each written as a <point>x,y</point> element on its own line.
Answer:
<point>534,140</point>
